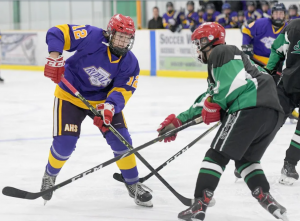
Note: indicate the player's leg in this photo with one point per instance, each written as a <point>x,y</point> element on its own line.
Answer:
<point>249,166</point>
<point>127,165</point>
<point>67,119</point>
<point>288,173</point>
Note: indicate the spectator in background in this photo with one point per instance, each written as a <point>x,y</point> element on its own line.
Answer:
<point>201,12</point>
<point>251,14</point>
<point>192,16</point>
<point>241,19</point>
<point>156,22</point>
<point>210,13</point>
<point>227,19</point>
<point>266,11</point>
<point>171,19</point>
<point>293,12</point>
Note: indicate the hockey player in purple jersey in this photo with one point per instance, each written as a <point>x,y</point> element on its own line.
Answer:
<point>252,14</point>
<point>211,14</point>
<point>192,17</point>
<point>200,12</point>
<point>266,11</point>
<point>227,19</point>
<point>106,73</point>
<point>261,34</point>
<point>293,12</point>
<point>171,19</point>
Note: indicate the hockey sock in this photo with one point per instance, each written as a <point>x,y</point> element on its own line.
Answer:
<point>293,152</point>
<point>60,151</point>
<point>252,174</point>
<point>126,165</point>
<point>210,173</point>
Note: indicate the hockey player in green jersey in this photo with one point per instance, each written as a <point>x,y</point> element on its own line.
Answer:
<point>287,47</point>
<point>252,115</point>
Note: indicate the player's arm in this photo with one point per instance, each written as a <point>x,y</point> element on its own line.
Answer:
<point>248,34</point>
<point>165,23</point>
<point>172,122</point>
<point>277,51</point>
<point>68,37</point>
<point>123,89</point>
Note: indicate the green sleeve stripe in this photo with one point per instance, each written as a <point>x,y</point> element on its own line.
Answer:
<point>297,132</point>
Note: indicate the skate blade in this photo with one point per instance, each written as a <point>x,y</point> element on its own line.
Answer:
<point>45,201</point>
<point>236,179</point>
<point>288,181</point>
<point>278,215</point>
<point>145,204</point>
<point>212,202</point>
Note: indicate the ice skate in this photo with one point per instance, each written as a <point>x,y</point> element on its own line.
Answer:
<point>237,175</point>
<point>197,211</point>
<point>270,204</point>
<point>140,195</point>
<point>289,174</point>
<point>47,182</point>
<point>1,80</point>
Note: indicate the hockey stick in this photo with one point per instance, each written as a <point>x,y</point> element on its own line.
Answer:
<point>14,192</point>
<point>118,176</point>
<point>181,198</point>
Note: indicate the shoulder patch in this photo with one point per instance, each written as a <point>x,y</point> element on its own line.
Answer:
<point>251,24</point>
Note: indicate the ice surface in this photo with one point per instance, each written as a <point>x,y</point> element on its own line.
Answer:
<point>26,105</point>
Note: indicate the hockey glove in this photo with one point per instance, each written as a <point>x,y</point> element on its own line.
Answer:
<point>54,68</point>
<point>170,123</point>
<point>107,112</point>
<point>210,112</point>
<point>248,50</point>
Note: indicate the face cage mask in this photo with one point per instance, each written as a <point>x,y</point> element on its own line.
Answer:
<point>118,51</point>
<point>202,45</point>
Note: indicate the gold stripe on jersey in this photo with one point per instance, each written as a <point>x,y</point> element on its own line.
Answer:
<point>262,59</point>
<point>126,94</point>
<point>60,117</point>
<point>109,57</point>
<point>61,94</point>
<point>247,32</point>
<point>65,30</point>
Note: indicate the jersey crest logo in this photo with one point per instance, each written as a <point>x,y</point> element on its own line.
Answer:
<point>268,41</point>
<point>296,48</point>
<point>98,77</point>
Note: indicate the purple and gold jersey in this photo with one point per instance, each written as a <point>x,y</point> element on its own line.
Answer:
<point>210,18</point>
<point>93,70</point>
<point>172,18</point>
<point>193,19</point>
<point>294,17</point>
<point>252,16</point>
<point>261,34</point>
<point>227,22</point>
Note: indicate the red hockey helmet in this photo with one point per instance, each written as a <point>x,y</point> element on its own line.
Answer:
<point>121,33</point>
<point>205,36</point>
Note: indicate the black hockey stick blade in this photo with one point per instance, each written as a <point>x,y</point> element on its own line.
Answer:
<point>119,177</point>
<point>14,192</point>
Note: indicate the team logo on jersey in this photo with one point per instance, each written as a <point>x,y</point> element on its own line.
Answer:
<point>296,48</point>
<point>98,77</point>
<point>268,41</point>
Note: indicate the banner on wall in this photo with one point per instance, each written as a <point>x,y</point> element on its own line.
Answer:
<point>19,48</point>
<point>174,51</point>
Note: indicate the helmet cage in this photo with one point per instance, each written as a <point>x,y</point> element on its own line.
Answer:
<point>120,51</point>
<point>202,45</point>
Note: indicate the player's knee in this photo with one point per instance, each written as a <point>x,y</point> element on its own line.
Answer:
<point>217,157</point>
<point>116,145</point>
<point>63,146</point>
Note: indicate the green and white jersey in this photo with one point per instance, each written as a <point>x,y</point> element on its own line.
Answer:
<point>287,47</point>
<point>235,83</point>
